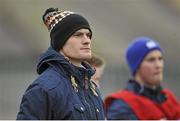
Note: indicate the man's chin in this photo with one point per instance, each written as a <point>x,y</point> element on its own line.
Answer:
<point>87,56</point>
<point>158,82</point>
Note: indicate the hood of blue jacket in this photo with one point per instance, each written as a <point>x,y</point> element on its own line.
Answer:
<point>53,58</point>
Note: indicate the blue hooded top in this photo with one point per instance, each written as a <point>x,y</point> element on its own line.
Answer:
<point>62,91</point>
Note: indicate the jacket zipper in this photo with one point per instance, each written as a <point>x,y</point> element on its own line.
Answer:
<point>88,108</point>
<point>86,88</point>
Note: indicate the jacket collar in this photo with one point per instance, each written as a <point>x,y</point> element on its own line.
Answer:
<point>154,94</point>
<point>56,60</point>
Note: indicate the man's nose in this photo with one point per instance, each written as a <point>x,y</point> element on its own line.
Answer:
<point>159,63</point>
<point>86,39</point>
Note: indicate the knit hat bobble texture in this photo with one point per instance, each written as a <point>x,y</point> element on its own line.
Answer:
<point>137,50</point>
<point>62,24</point>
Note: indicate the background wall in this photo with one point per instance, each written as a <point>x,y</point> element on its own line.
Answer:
<point>115,23</point>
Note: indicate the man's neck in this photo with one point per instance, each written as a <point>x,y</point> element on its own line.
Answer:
<point>76,63</point>
<point>142,83</point>
<point>73,61</point>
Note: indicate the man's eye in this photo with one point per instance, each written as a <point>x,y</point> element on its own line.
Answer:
<point>88,35</point>
<point>160,58</point>
<point>151,59</point>
<point>77,34</point>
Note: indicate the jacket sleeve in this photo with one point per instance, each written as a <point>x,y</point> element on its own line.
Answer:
<point>35,105</point>
<point>119,110</point>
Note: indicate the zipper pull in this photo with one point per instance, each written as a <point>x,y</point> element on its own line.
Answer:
<point>86,82</point>
<point>74,84</point>
<point>93,89</point>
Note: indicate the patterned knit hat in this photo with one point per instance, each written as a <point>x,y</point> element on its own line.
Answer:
<point>137,50</point>
<point>62,24</point>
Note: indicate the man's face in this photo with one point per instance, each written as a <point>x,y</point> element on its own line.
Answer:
<point>78,46</point>
<point>150,71</point>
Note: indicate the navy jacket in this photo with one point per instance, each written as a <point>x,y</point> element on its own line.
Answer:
<point>120,110</point>
<point>62,91</point>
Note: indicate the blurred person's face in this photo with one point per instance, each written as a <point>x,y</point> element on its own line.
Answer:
<point>98,74</point>
<point>78,47</point>
<point>150,72</point>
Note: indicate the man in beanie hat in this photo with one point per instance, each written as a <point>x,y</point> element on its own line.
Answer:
<point>63,90</point>
<point>144,98</point>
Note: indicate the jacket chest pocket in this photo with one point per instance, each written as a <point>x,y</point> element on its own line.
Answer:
<point>78,112</point>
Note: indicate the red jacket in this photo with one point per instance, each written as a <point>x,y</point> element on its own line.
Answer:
<point>145,108</point>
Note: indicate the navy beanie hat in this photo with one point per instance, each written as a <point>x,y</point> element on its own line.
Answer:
<point>137,50</point>
<point>62,24</point>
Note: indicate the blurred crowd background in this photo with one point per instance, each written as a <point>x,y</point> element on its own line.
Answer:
<point>23,37</point>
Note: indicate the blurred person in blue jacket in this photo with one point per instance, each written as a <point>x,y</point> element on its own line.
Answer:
<point>63,90</point>
<point>144,98</point>
<point>99,64</point>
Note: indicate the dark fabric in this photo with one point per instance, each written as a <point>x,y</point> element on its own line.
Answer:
<point>135,100</point>
<point>52,96</point>
<point>119,110</point>
<point>155,95</point>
